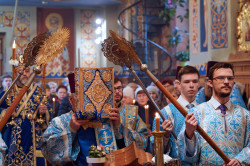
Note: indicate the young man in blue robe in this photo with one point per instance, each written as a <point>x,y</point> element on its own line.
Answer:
<point>188,77</point>
<point>226,123</point>
<point>65,140</point>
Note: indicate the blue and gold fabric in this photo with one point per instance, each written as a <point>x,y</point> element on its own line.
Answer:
<point>22,133</point>
<point>132,128</point>
<point>61,145</point>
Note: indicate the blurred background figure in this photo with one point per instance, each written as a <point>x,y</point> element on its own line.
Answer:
<point>128,95</point>
<point>53,102</point>
<point>61,92</point>
<point>166,82</point>
<point>6,82</point>
<point>171,90</point>
<point>53,87</point>
<point>177,86</point>
<point>133,85</point>
<point>153,91</point>
<point>65,82</point>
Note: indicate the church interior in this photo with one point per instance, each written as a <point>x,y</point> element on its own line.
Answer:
<point>160,35</point>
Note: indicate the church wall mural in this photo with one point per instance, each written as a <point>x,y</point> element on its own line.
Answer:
<point>88,50</point>
<point>50,19</point>
<point>219,24</point>
<point>195,27</point>
<point>21,30</point>
<point>204,25</point>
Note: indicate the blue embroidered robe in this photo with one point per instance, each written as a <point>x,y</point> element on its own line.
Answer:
<point>235,143</point>
<point>61,145</point>
<point>22,133</point>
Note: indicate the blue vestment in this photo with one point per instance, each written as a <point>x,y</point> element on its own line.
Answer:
<point>23,132</point>
<point>233,138</point>
<point>61,145</point>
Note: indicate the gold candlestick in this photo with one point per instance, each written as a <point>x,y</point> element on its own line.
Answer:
<point>158,147</point>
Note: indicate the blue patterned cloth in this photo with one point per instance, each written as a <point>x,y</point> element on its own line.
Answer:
<point>23,133</point>
<point>235,142</point>
<point>235,96</point>
<point>61,145</point>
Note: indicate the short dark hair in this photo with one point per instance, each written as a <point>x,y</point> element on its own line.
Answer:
<point>219,66</point>
<point>62,86</point>
<point>117,80</point>
<point>187,70</point>
<point>5,76</point>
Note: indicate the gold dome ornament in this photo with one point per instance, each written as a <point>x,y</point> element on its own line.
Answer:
<point>53,46</point>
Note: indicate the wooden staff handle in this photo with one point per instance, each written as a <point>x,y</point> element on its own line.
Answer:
<point>13,106</point>
<point>184,113</point>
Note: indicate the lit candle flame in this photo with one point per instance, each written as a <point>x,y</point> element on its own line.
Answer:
<point>53,99</point>
<point>14,44</point>
<point>157,115</point>
<point>146,106</point>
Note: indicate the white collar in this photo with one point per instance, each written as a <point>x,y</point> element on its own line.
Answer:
<point>215,103</point>
<point>184,102</point>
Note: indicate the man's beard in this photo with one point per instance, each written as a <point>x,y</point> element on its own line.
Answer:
<point>23,80</point>
<point>118,100</point>
<point>223,95</point>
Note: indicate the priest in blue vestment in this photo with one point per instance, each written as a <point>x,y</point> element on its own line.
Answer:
<point>23,131</point>
<point>227,124</point>
<point>65,140</point>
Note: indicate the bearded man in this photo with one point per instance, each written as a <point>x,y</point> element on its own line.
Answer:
<point>22,134</point>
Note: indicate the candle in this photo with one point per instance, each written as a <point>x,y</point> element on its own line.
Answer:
<point>157,121</point>
<point>133,101</point>
<point>53,104</point>
<point>79,57</point>
<point>13,58</point>
<point>146,115</point>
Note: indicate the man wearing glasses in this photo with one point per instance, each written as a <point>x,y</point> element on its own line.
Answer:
<point>226,123</point>
<point>128,126</point>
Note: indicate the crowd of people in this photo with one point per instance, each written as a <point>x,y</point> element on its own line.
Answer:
<point>218,107</point>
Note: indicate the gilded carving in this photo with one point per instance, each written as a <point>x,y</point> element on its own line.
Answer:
<point>243,28</point>
<point>88,76</point>
<point>106,76</point>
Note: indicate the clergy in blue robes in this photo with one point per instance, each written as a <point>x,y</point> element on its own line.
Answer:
<point>65,140</point>
<point>227,124</point>
<point>188,77</point>
<point>23,131</point>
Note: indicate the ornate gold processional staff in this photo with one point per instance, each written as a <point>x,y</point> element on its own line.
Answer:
<point>47,52</point>
<point>119,57</point>
<point>121,52</point>
<point>29,57</point>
